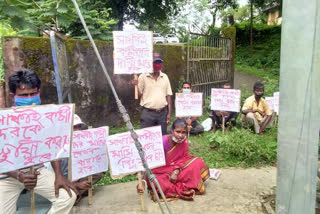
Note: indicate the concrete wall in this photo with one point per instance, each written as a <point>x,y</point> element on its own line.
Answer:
<point>90,90</point>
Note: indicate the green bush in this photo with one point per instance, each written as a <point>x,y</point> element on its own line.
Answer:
<point>246,148</point>
<point>266,49</point>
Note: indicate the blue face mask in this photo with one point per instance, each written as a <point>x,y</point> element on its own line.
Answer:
<point>186,90</point>
<point>27,101</point>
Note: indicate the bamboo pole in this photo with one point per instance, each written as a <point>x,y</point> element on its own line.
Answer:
<point>135,77</point>
<point>90,191</point>
<point>32,201</point>
<point>141,194</point>
<point>223,121</point>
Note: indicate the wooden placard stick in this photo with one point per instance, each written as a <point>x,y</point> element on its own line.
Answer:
<point>90,190</point>
<point>223,121</point>
<point>141,194</point>
<point>135,77</point>
<point>32,201</point>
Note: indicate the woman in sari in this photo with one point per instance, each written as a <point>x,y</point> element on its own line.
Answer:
<point>183,175</point>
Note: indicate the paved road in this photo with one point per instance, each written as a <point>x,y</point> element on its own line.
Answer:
<point>236,191</point>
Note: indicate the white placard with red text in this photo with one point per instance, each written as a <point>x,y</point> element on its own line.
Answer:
<point>188,104</point>
<point>276,97</point>
<point>89,152</point>
<point>133,52</point>
<point>225,99</point>
<point>34,134</point>
<point>123,155</point>
<point>270,101</point>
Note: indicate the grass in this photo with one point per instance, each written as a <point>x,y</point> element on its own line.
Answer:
<point>238,148</point>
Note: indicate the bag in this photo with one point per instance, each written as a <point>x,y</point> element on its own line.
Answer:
<point>207,124</point>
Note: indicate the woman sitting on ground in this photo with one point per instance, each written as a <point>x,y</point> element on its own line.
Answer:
<point>183,175</point>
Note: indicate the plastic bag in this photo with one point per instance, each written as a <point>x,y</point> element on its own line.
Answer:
<point>207,124</point>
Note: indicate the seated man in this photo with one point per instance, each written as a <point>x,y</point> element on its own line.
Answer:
<point>256,111</point>
<point>25,89</point>
<point>193,126</point>
<point>229,116</point>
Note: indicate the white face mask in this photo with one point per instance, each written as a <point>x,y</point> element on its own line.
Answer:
<point>186,90</point>
<point>176,140</point>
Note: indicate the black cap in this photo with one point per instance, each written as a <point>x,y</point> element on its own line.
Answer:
<point>157,57</point>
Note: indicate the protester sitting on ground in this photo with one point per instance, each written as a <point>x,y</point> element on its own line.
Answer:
<point>230,117</point>
<point>193,126</point>
<point>24,87</point>
<point>183,175</point>
<point>256,111</point>
<point>82,184</point>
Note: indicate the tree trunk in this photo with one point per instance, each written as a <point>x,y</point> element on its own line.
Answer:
<point>214,15</point>
<point>251,26</point>
<point>120,23</point>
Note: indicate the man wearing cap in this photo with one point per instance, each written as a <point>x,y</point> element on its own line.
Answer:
<point>155,96</point>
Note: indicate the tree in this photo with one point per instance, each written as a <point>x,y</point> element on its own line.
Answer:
<point>123,10</point>
<point>36,16</point>
<point>219,5</point>
<point>193,16</point>
<point>153,12</point>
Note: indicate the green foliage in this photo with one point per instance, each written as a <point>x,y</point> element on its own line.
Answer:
<point>265,61</point>
<point>35,17</point>
<point>244,147</point>
<point>5,30</point>
<point>261,32</point>
<point>107,180</point>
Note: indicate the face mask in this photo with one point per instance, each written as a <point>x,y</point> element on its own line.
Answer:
<point>27,101</point>
<point>176,140</point>
<point>258,95</point>
<point>157,67</point>
<point>186,90</point>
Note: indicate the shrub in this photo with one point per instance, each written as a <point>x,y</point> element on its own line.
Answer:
<point>243,146</point>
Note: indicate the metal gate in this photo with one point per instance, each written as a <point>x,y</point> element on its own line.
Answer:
<point>209,62</point>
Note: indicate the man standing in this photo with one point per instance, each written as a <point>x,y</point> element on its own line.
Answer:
<point>25,89</point>
<point>256,110</point>
<point>229,116</point>
<point>193,126</point>
<point>155,96</point>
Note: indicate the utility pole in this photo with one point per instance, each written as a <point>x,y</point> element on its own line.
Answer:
<point>299,115</point>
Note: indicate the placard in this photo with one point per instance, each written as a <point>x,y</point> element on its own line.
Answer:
<point>133,52</point>
<point>89,152</point>
<point>34,134</point>
<point>276,96</point>
<point>188,104</point>
<point>270,101</point>
<point>123,155</point>
<point>225,99</point>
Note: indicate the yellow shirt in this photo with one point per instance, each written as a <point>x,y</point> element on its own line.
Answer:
<point>251,104</point>
<point>154,91</point>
